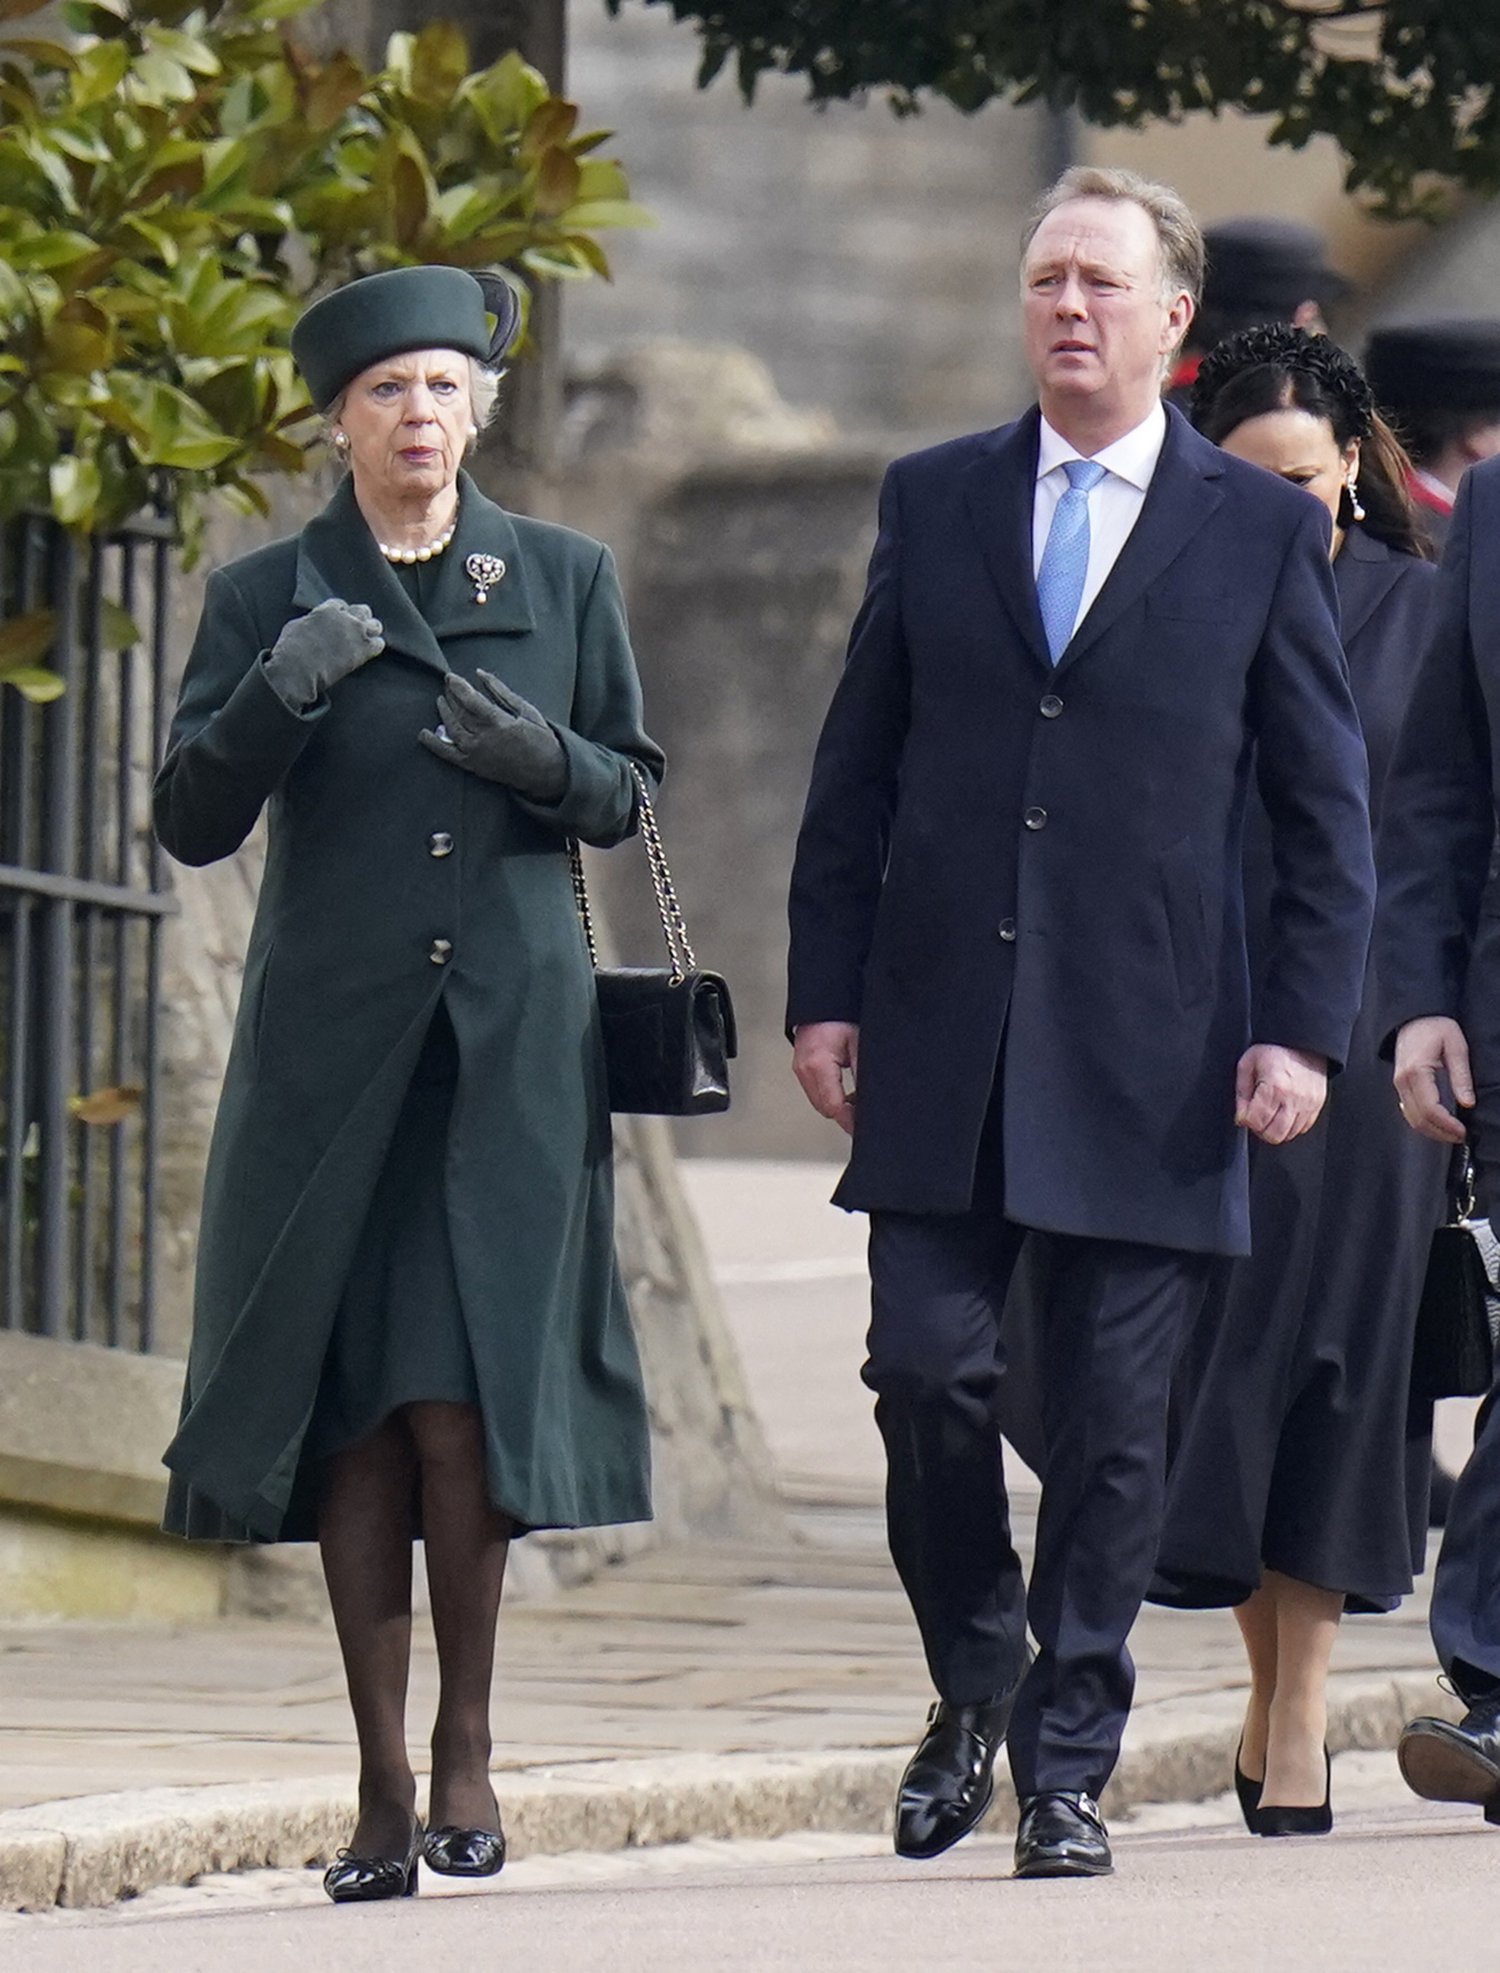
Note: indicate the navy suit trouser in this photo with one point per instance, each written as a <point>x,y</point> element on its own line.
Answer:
<point>1466,1583</point>
<point>1108,1338</point>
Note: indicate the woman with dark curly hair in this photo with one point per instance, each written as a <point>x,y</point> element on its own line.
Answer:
<point>1298,1487</point>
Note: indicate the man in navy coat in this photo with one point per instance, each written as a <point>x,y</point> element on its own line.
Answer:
<point>1439,966</point>
<point>1018,927</point>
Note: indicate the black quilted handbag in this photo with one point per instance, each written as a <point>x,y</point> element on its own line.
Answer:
<point>669,1033</point>
<point>1453,1353</point>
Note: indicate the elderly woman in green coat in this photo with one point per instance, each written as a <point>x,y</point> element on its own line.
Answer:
<point>409,1318</point>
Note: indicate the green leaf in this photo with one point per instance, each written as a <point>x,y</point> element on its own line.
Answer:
<point>25,640</point>
<point>603,179</point>
<point>90,17</point>
<point>118,626</point>
<point>594,215</point>
<point>276,10</point>
<point>557,182</point>
<point>38,687</point>
<point>168,428</point>
<point>76,485</point>
<point>158,79</point>
<point>194,55</point>
<point>439,62</point>
<point>42,54</point>
<point>552,122</point>
<point>60,249</point>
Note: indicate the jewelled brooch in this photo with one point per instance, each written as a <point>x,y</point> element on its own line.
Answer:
<point>484,571</point>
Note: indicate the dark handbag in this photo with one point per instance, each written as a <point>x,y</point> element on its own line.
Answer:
<point>669,1033</point>
<point>1453,1354</point>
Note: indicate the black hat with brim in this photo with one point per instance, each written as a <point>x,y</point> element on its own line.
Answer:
<point>1269,264</point>
<point>1436,366</point>
<point>383,315</point>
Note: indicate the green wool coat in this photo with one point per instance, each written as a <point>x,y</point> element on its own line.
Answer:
<point>395,880</point>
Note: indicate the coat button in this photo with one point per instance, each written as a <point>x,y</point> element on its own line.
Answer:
<point>440,844</point>
<point>442,951</point>
<point>1008,930</point>
<point>1050,707</point>
<point>1035,818</point>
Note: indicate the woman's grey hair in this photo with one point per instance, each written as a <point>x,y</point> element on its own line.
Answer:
<point>484,400</point>
<point>1182,250</point>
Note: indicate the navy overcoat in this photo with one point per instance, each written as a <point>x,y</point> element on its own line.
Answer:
<point>1439,927</point>
<point>1009,870</point>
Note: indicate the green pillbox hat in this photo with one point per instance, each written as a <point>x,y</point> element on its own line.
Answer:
<point>383,314</point>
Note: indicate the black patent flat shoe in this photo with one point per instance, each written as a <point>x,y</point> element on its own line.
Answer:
<point>465,1852</point>
<point>352,1879</point>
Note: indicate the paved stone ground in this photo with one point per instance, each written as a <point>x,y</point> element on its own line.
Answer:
<point>1401,1884</point>
<point>695,1651</point>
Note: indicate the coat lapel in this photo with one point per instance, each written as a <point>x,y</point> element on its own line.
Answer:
<point>999,487</point>
<point>338,556</point>
<point>1184,491</point>
<point>1364,572</point>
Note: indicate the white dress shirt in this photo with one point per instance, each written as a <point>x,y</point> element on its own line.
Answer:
<point>1115,503</point>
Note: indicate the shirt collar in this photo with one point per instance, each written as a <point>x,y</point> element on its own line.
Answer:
<point>1132,458</point>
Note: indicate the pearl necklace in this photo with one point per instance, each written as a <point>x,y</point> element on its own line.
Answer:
<point>426,552</point>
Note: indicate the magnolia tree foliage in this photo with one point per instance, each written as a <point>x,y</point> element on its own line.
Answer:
<point>178,175</point>
<point>1407,88</point>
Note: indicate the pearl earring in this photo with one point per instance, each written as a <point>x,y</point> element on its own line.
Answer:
<point>1352,486</point>
<point>341,442</point>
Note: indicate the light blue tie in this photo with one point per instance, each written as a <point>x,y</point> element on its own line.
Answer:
<point>1065,559</point>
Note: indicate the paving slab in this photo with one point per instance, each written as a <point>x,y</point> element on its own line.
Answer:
<point>697,1691</point>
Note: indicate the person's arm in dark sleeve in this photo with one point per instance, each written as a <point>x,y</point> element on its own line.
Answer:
<point>841,849</point>
<point>605,733</point>
<point>1437,831</point>
<point>1314,784</point>
<point>232,739</point>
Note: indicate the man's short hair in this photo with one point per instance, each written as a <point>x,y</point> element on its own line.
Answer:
<point>1177,232</point>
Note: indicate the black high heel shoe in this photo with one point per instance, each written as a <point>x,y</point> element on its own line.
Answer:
<point>1279,1821</point>
<point>1247,1791</point>
<point>465,1852</point>
<point>351,1879</point>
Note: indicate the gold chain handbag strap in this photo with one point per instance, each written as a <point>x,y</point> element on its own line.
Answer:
<point>679,947</point>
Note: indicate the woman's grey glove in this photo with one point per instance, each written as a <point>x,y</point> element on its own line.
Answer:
<point>314,652</point>
<point>496,733</point>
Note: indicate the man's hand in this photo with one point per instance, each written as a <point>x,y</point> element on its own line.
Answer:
<point>1279,1092</point>
<point>822,1052</point>
<point>1422,1049</point>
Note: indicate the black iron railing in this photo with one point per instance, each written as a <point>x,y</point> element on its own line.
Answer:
<point>82,899</point>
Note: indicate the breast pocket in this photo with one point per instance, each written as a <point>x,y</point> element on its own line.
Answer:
<point>1187,920</point>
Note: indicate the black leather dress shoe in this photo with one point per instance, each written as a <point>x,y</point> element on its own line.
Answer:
<point>352,1879</point>
<point>1062,1835</point>
<point>1446,1763</point>
<point>949,1781</point>
<point>466,1852</point>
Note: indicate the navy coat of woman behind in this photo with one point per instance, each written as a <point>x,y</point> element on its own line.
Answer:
<point>1299,1449</point>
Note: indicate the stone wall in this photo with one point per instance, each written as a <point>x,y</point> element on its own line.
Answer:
<point>868,260</point>
<point>742,530</point>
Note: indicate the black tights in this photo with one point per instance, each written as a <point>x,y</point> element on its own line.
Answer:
<point>366,1524</point>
